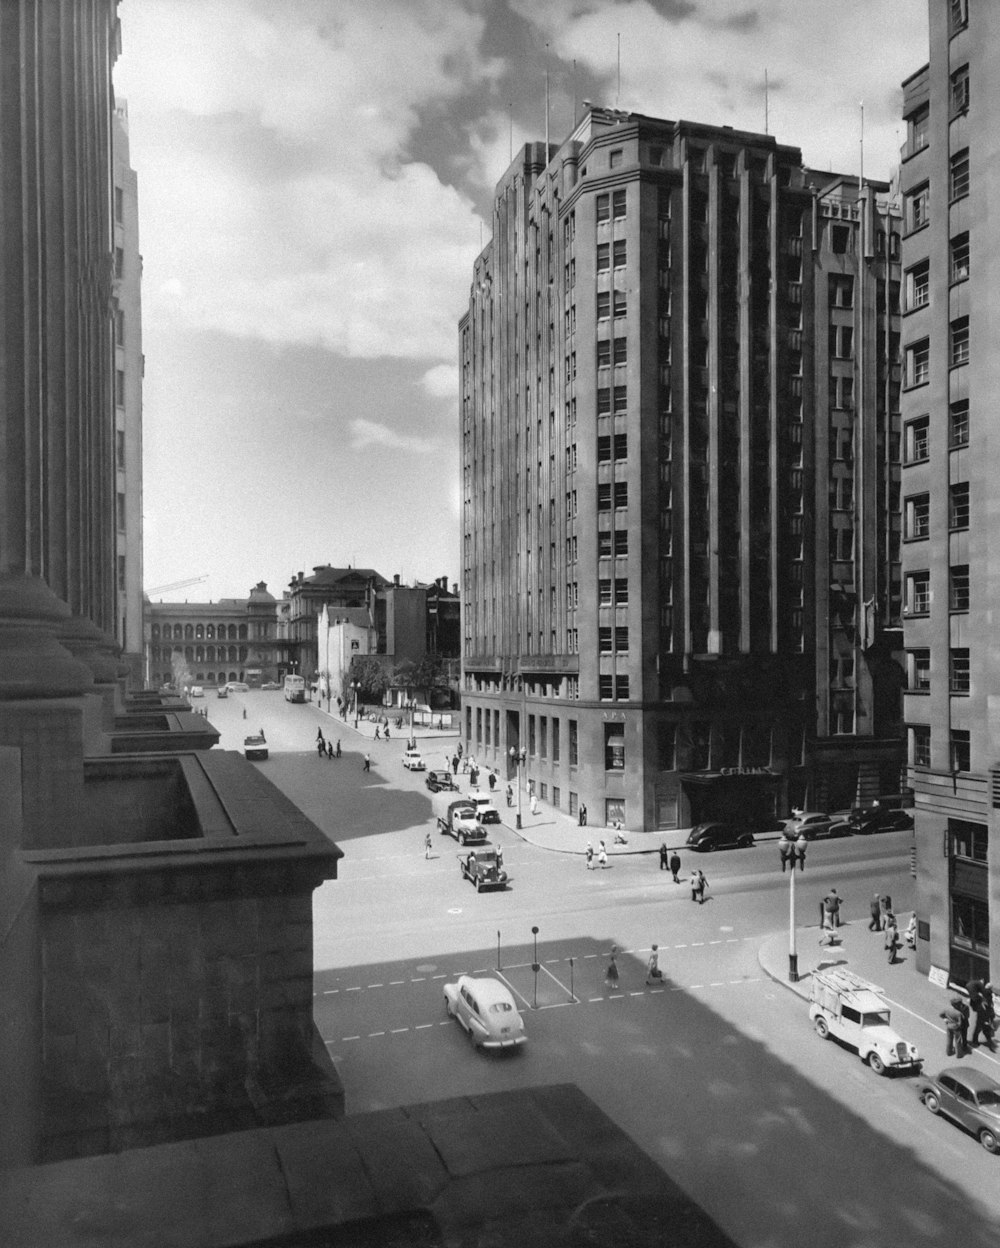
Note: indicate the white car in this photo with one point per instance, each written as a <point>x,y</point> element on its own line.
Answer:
<point>197,691</point>
<point>850,1008</point>
<point>486,812</point>
<point>238,686</point>
<point>413,760</point>
<point>486,1009</point>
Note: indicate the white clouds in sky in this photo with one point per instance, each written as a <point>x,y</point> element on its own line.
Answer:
<point>368,434</point>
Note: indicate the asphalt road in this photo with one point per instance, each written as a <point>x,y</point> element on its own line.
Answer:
<point>786,1141</point>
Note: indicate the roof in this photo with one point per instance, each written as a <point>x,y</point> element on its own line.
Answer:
<point>325,574</point>
<point>487,990</point>
<point>971,1077</point>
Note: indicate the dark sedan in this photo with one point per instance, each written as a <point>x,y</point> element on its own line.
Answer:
<point>439,780</point>
<point>705,837</point>
<point>969,1098</point>
<point>881,819</point>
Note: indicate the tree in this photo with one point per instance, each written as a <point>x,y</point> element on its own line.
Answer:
<point>371,677</point>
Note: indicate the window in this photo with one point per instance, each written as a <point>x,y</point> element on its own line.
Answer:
<point>614,747</point>
<point>918,363</point>
<point>958,180</point>
<point>621,639</point>
<point>620,400</point>
<point>958,587</point>
<point>918,285</point>
<point>958,676</point>
<point>119,204</point>
<point>920,671</point>
<point>604,496</point>
<point>621,591</point>
<point>961,750</point>
<point>958,506</point>
<point>960,257</point>
<point>603,257</point>
<point>621,302</point>
<point>120,328</point>
<point>918,207</point>
<point>603,353</point>
<point>574,754</point>
<point>606,687</point>
<point>603,543</point>
<point>917,439</point>
<point>920,745</point>
<point>959,421</point>
<point>619,201</point>
<point>621,446</point>
<point>604,593</point>
<point>918,130</point>
<point>918,516</point>
<point>604,401</point>
<point>119,262</point>
<point>604,449</point>
<point>621,495</point>
<point>120,387</point>
<point>960,90</point>
<point>621,688</point>
<point>621,252</point>
<point>841,291</point>
<point>603,304</point>
<point>603,207</point>
<point>840,239</point>
<point>959,348</point>
<point>555,750</point>
<point>120,448</point>
<point>621,542</point>
<point>605,640</point>
<point>958,14</point>
<point>617,155</point>
<point>621,351</point>
<point>120,512</point>
<point>918,593</point>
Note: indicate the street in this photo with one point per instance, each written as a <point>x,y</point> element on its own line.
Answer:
<point>718,1074</point>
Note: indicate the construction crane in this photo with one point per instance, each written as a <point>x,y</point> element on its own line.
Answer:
<point>166,589</point>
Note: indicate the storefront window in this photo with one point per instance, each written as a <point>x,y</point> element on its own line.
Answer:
<point>614,747</point>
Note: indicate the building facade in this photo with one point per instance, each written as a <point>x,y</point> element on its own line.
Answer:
<point>646,512</point>
<point>127,293</point>
<point>951,566</point>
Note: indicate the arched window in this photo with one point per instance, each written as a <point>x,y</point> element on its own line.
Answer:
<point>243,632</point>
<point>243,654</point>
<point>199,632</point>
<point>188,632</point>
<point>232,656</point>
<point>210,677</point>
<point>178,633</point>
<point>199,654</point>
<point>189,654</point>
<point>156,632</point>
<point>210,655</point>
<point>232,632</point>
<point>210,632</point>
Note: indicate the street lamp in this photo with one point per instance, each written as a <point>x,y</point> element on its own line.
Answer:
<point>517,757</point>
<point>792,851</point>
<point>355,685</point>
<point>412,704</point>
<point>534,964</point>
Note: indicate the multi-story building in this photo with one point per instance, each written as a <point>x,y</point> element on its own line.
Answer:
<point>951,443</point>
<point>647,510</point>
<point>195,643</point>
<point>127,293</point>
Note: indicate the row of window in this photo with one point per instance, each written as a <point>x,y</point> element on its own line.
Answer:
<point>919,670</point>
<point>918,201</point>
<point>918,355</point>
<point>917,439</point>
<point>917,511</point>
<point>918,590</point>
<point>195,632</point>
<point>960,747</point>
<point>200,654</point>
<point>918,278</point>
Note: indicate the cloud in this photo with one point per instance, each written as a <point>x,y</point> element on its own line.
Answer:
<point>277,197</point>
<point>369,433</point>
<point>441,381</point>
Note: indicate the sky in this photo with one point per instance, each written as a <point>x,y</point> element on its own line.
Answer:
<point>315,181</point>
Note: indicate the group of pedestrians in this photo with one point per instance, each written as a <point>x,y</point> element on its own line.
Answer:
<point>670,862</point>
<point>654,975</point>
<point>602,855</point>
<point>324,748</point>
<point>960,1012</point>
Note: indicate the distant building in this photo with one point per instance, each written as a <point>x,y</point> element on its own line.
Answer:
<point>680,456</point>
<point>127,309</point>
<point>210,643</point>
<point>951,447</point>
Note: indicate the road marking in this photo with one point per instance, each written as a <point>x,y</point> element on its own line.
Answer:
<point>593,999</point>
<point>680,946</point>
<point>394,983</point>
<point>346,1038</point>
<point>636,994</point>
<point>418,980</point>
<point>372,1034</point>
<point>695,944</point>
<point>330,992</point>
<point>552,961</point>
<point>376,985</point>
<point>422,1026</point>
<point>616,996</point>
<point>398,1031</point>
<point>357,988</point>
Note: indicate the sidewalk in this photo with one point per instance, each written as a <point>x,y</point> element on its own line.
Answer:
<point>906,990</point>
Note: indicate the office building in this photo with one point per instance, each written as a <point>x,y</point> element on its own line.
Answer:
<point>951,443</point>
<point>670,328</point>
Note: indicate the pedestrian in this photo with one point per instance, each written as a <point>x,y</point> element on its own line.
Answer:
<point>590,857</point>
<point>675,867</point>
<point>427,846</point>
<point>474,777</point>
<point>338,747</point>
<point>611,975</point>
<point>499,858</point>
<point>329,749</point>
<point>830,910</point>
<point>963,1008</point>
<point>454,764</point>
<point>459,750</point>
<point>653,972</point>
<point>875,924</point>
<point>244,712</point>
<point>534,806</point>
<point>885,903</point>
<point>510,796</point>
<point>319,734</point>
<point>368,763</point>
<point>320,747</point>
<point>698,885</point>
<point>602,855</point>
<point>892,941</point>
<point>986,1017</point>
<point>953,1029</point>
<point>386,732</point>
<point>910,935</point>
<point>377,738</point>
<point>583,815</point>
<point>493,780</point>
<point>664,857</point>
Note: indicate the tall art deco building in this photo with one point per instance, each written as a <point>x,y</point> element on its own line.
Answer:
<point>679,453</point>
<point>951,496</point>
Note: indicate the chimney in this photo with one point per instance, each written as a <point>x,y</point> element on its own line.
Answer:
<point>395,579</point>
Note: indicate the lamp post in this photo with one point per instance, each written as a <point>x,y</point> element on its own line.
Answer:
<point>792,851</point>
<point>412,703</point>
<point>355,685</point>
<point>518,757</point>
<point>534,963</point>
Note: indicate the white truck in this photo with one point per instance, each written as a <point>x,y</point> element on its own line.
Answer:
<point>850,1009</point>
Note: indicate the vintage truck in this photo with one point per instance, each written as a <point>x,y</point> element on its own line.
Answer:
<point>849,1008</point>
<point>484,868</point>
<point>255,746</point>
<point>462,822</point>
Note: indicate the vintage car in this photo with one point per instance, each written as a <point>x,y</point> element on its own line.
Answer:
<point>814,823</point>
<point>222,692</point>
<point>440,780</point>
<point>238,686</point>
<point>487,812</point>
<point>969,1098</point>
<point>413,760</point>
<point>850,1009</point>
<point>462,823</point>
<point>255,746</point>
<point>197,691</point>
<point>484,868</point>
<point>875,819</point>
<point>486,1009</point>
<point>705,837</point>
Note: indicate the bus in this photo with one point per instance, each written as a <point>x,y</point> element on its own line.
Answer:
<point>295,689</point>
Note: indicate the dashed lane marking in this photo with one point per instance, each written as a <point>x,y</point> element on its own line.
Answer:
<point>398,1031</point>
<point>394,983</point>
<point>330,992</point>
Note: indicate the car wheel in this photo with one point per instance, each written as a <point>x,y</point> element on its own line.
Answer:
<point>822,1030</point>
<point>876,1063</point>
<point>479,886</point>
<point>989,1140</point>
<point>931,1102</point>
<point>745,842</point>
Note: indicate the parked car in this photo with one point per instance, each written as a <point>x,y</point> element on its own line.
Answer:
<point>255,746</point>
<point>238,686</point>
<point>877,819</point>
<point>969,1098</point>
<point>814,823</point>
<point>413,760</point>
<point>850,1008</point>
<point>440,780</point>
<point>482,868</point>
<point>487,812</point>
<point>197,691</point>
<point>486,1009</point>
<point>270,684</point>
<point>222,692</point>
<point>704,837</point>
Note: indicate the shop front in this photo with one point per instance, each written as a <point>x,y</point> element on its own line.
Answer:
<point>748,795</point>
